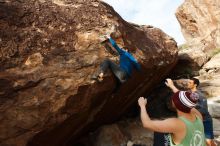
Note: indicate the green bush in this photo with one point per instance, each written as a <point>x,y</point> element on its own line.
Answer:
<point>183,46</point>
<point>215,51</point>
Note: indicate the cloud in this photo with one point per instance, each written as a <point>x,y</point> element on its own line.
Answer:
<point>160,14</point>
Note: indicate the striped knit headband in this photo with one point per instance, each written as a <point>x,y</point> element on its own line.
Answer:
<point>185,100</point>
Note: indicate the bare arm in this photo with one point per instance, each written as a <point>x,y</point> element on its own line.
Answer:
<point>170,84</point>
<point>171,125</point>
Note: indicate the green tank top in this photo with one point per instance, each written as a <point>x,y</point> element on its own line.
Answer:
<point>194,134</point>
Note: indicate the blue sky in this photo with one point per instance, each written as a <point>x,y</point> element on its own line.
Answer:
<point>158,13</point>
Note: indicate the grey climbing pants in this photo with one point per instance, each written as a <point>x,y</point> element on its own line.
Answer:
<point>117,71</point>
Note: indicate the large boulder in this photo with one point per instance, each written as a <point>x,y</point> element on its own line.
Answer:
<point>49,50</point>
<point>214,107</point>
<point>210,77</point>
<point>125,132</point>
<point>212,66</point>
<point>199,21</point>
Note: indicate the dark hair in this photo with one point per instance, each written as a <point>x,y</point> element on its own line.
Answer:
<point>196,81</point>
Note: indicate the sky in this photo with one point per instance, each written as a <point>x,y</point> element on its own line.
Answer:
<point>158,13</point>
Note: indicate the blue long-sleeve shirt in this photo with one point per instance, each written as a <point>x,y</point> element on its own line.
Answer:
<point>127,61</point>
<point>202,106</point>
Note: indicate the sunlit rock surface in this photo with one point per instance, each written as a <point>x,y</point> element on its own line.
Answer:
<point>199,20</point>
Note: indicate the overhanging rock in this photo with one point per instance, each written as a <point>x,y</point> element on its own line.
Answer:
<point>49,50</point>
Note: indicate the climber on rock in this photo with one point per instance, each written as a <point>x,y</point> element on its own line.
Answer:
<point>122,71</point>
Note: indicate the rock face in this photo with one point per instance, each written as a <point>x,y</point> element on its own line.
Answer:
<point>199,20</point>
<point>48,52</point>
<point>123,133</point>
<point>210,76</point>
